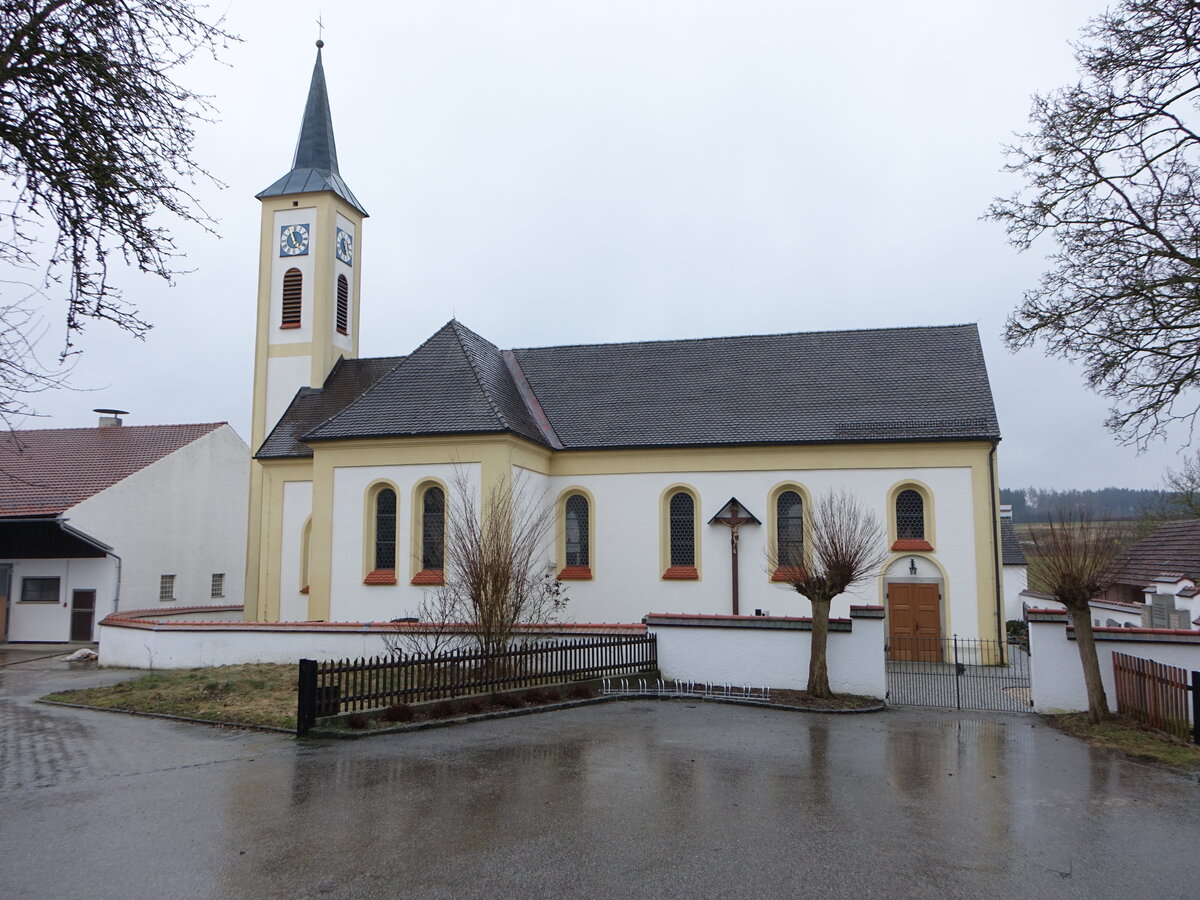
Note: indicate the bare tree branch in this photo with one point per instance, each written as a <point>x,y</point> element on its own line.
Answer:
<point>96,141</point>
<point>1112,172</point>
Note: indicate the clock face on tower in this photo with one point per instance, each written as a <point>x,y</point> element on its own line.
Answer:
<point>344,248</point>
<point>293,240</point>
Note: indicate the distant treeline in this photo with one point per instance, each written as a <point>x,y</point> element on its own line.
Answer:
<point>1037,505</point>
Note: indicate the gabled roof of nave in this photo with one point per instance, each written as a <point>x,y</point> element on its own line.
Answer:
<point>45,472</point>
<point>315,165</point>
<point>889,384</point>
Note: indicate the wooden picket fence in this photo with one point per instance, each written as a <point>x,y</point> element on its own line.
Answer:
<point>1157,695</point>
<point>336,686</point>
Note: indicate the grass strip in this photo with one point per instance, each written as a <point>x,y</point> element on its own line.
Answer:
<point>1131,738</point>
<point>258,694</point>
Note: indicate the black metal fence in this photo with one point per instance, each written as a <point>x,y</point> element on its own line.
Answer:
<point>960,673</point>
<point>1157,695</point>
<point>337,686</point>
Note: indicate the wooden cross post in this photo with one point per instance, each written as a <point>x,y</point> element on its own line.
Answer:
<point>734,521</point>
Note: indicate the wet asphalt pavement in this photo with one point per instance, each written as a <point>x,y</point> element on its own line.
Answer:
<point>630,799</point>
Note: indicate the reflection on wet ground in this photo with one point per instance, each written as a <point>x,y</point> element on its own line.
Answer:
<point>626,799</point>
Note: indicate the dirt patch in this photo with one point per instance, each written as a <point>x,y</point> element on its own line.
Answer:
<point>837,701</point>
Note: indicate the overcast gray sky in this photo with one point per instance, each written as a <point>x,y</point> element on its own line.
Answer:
<point>552,171</point>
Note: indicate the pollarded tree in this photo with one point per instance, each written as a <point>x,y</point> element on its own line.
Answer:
<point>1112,175</point>
<point>497,579</point>
<point>1074,560</point>
<point>96,139</point>
<point>844,545</point>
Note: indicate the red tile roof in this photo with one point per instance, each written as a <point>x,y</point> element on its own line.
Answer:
<point>46,472</point>
<point>1174,549</point>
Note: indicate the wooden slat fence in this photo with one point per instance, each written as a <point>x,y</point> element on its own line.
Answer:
<point>337,686</point>
<point>1157,694</point>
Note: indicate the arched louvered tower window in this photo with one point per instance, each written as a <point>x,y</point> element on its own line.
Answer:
<point>343,305</point>
<point>789,530</point>
<point>910,516</point>
<point>682,529</point>
<point>576,526</point>
<point>293,291</point>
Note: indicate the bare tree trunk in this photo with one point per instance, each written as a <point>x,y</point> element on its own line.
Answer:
<point>818,670</point>
<point>1085,642</point>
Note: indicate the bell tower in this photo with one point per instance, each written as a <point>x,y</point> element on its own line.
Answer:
<point>308,271</point>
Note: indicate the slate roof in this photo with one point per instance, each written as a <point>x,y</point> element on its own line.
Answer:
<point>310,407</point>
<point>1013,552</point>
<point>315,165</point>
<point>454,383</point>
<point>46,472</point>
<point>876,385</point>
<point>1174,547</point>
<point>884,384</point>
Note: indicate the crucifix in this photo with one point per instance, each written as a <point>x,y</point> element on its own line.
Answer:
<point>733,515</point>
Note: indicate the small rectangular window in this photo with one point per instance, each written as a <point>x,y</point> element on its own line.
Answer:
<point>166,587</point>
<point>39,590</point>
<point>218,584</point>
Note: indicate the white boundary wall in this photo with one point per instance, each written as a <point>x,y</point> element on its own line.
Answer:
<point>771,650</point>
<point>197,638</point>
<point>1057,675</point>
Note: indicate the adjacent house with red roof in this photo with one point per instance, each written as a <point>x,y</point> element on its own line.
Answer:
<point>92,519</point>
<point>1162,571</point>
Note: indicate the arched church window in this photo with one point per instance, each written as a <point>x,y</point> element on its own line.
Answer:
<point>343,305</point>
<point>681,536</point>
<point>910,516</point>
<point>293,289</point>
<point>433,529</point>
<point>385,529</point>
<point>576,527</point>
<point>789,534</point>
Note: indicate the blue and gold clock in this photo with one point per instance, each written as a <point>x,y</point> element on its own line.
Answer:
<point>293,240</point>
<point>344,247</point>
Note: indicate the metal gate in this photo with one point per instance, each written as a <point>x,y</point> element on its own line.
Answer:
<point>959,673</point>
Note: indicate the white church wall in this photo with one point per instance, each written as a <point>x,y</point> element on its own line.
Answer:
<point>350,599</point>
<point>36,622</point>
<point>183,515</point>
<point>627,568</point>
<point>297,507</point>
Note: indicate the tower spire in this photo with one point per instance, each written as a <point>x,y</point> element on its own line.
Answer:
<point>315,165</point>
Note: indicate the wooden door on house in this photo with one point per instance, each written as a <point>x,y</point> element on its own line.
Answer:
<point>83,614</point>
<point>915,622</point>
<point>5,582</point>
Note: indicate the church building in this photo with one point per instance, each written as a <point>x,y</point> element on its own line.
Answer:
<point>641,448</point>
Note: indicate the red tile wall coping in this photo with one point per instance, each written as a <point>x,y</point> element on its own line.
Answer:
<point>152,620</point>
<point>702,620</point>
<point>1107,633</point>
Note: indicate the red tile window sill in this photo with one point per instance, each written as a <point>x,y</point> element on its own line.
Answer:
<point>429,576</point>
<point>788,574</point>
<point>681,573</point>
<point>381,576</point>
<point>287,325</point>
<point>911,544</point>
<point>575,573</point>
